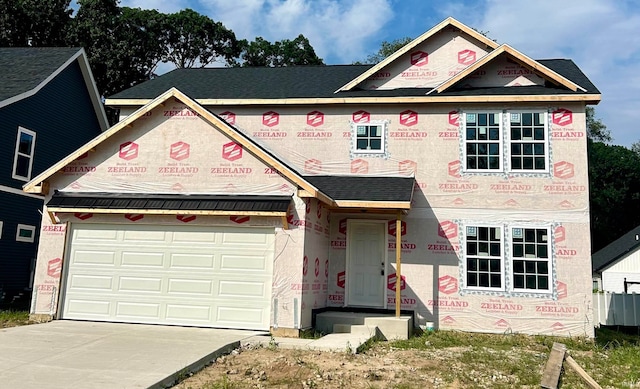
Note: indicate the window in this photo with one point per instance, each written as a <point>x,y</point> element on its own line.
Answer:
<point>25,233</point>
<point>507,258</point>
<point>531,259</point>
<point>484,257</point>
<point>369,138</point>
<point>528,141</point>
<point>483,142</point>
<point>526,136</point>
<point>23,158</point>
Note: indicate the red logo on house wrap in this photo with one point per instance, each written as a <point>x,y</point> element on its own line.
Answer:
<point>134,217</point>
<point>284,188</point>
<point>562,290</point>
<point>560,234</point>
<point>305,265</point>
<point>317,267</point>
<point>359,166</point>
<point>408,118</point>
<point>228,117</point>
<point>75,185</point>
<point>447,229</point>
<point>447,284</point>
<point>128,151</point>
<point>271,119</point>
<point>315,118</point>
<point>391,282</point>
<point>83,216</point>
<point>448,320</point>
<point>177,187</point>
<point>231,151</point>
<point>557,326</point>
<point>562,117</point>
<point>453,168</point>
<point>186,218</point>
<point>307,206</point>
<point>501,323</point>
<point>312,166</point>
<point>239,219</point>
<point>179,151</point>
<point>407,167</point>
<point>361,117</point>
<point>326,268</point>
<point>340,279</point>
<point>466,57</point>
<point>454,118</point>
<point>54,267</point>
<point>319,210</point>
<point>419,58</point>
<point>563,170</point>
<point>342,226</point>
<point>391,228</point>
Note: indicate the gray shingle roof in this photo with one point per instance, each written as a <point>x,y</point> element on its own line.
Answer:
<point>615,250</point>
<point>313,82</point>
<point>170,202</point>
<point>363,188</point>
<point>24,68</point>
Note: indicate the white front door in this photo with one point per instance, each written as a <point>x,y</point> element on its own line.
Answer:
<point>366,263</point>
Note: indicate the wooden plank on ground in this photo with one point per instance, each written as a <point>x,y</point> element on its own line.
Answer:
<point>583,374</point>
<point>552,370</point>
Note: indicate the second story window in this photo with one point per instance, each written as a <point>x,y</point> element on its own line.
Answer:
<point>369,138</point>
<point>482,142</point>
<point>23,157</point>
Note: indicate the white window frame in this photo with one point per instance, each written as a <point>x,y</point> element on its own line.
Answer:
<point>1,225</point>
<point>27,228</point>
<point>17,153</point>
<point>465,258</point>
<point>510,141</point>
<point>549,259</point>
<point>465,142</point>
<point>383,138</point>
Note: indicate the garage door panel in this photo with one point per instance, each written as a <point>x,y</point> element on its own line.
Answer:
<point>192,261</point>
<point>183,275</point>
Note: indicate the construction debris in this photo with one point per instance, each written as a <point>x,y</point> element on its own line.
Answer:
<point>553,368</point>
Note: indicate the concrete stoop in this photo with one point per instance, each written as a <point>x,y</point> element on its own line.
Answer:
<point>388,327</point>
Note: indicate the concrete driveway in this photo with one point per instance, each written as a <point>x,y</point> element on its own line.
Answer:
<point>76,354</point>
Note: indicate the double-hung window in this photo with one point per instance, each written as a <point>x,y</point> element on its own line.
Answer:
<point>525,134</point>
<point>531,259</point>
<point>507,258</point>
<point>369,138</point>
<point>23,157</point>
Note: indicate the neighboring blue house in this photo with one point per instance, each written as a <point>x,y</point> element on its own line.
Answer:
<point>49,106</point>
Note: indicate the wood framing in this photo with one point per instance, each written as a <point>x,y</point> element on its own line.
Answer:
<point>166,212</point>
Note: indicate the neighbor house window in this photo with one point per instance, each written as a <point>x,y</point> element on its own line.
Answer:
<point>531,259</point>
<point>25,233</point>
<point>23,157</point>
<point>482,142</point>
<point>528,141</point>
<point>369,138</point>
<point>524,133</point>
<point>506,258</point>
<point>484,257</point>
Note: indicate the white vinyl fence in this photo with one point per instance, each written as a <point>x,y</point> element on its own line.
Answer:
<point>613,309</point>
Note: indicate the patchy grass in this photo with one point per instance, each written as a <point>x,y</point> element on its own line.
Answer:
<point>437,359</point>
<point>13,318</point>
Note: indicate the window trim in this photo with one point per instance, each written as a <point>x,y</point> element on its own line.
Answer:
<point>503,270</point>
<point>463,134</point>
<point>1,230</point>
<point>28,228</point>
<point>17,153</point>
<point>549,259</point>
<point>383,124</point>
<point>509,141</point>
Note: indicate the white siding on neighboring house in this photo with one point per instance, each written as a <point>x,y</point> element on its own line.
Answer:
<point>629,267</point>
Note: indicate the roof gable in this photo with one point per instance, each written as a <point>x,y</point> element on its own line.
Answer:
<point>506,66</point>
<point>24,71</point>
<point>611,253</point>
<point>427,60</point>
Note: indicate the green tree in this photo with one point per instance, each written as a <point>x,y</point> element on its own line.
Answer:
<point>386,49</point>
<point>261,52</point>
<point>34,22</point>
<point>596,130</point>
<point>193,39</point>
<point>636,147</point>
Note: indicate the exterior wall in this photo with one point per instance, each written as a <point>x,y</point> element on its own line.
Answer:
<point>63,118</point>
<point>628,267</point>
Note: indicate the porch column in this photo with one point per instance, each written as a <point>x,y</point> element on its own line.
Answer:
<point>398,257</point>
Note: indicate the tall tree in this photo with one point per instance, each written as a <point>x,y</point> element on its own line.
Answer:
<point>386,49</point>
<point>261,52</point>
<point>34,22</point>
<point>596,130</point>
<point>195,40</point>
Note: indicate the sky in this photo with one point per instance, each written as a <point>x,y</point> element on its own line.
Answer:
<point>601,36</point>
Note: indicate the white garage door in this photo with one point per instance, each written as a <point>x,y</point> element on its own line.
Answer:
<point>183,275</point>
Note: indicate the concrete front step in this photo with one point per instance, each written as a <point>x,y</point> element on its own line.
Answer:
<point>389,327</point>
<point>342,342</point>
